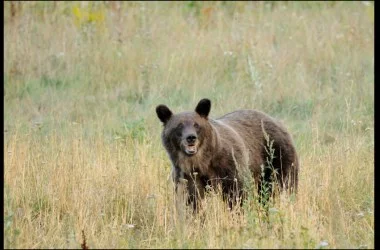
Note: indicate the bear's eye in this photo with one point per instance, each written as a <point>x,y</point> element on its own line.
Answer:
<point>196,125</point>
<point>178,129</point>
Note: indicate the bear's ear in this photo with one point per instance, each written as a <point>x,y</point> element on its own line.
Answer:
<point>163,113</point>
<point>203,107</point>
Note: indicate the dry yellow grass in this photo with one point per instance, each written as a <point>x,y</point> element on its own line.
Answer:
<point>81,142</point>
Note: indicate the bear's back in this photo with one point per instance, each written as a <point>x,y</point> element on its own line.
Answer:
<point>250,126</point>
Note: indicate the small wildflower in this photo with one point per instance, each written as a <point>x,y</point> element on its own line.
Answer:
<point>129,226</point>
<point>273,210</point>
<point>228,53</point>
<point>323,243</point>
<point>183,180</point>
<point>361,214</point>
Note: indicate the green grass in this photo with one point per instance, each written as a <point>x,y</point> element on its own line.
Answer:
<point>82,141</point>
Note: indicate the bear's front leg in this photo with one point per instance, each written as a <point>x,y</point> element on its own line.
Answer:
<point>233,192</point>
<point>196,191</point>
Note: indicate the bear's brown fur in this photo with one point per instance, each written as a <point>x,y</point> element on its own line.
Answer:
<point>206,151</point>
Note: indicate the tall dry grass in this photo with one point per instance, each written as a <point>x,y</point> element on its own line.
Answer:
<point>81,139</point>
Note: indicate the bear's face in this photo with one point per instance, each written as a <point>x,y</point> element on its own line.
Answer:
<point>185,131</point>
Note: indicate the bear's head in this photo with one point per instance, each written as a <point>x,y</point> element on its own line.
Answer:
<point>187,131</point>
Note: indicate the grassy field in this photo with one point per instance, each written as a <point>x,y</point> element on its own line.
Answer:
<point>82,147</point>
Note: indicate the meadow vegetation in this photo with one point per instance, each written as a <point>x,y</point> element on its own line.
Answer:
<point>82,147</point>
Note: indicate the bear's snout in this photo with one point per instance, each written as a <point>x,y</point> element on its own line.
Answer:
<point>191,139</point>
<point>190,143</point>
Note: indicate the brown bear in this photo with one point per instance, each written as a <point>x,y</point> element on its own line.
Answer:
<point>209,152</point>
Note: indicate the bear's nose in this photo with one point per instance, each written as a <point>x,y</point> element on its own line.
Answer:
<point>191,138</point>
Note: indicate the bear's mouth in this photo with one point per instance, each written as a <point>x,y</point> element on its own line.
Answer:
<point>190,149</point>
